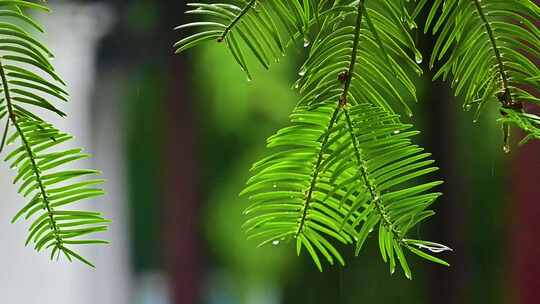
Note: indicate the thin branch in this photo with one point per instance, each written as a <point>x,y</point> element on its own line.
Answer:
<point>354,53</point>
<point>236,20</point>
<point>375,195</point>
<point>30,153</point>
<point>341,102</point>
<point>506,98</point>
<point>4,135</point>
<point>317,168</point>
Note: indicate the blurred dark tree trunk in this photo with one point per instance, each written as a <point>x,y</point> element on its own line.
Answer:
<point>439,114</point>
<point>525,248</point>
<point>144,36</point>
<point>446,285</point>
<point>181,210</point>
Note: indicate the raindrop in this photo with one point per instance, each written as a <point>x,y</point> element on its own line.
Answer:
<point>506,148</point>
<point>418,57</point>
<point>275,243</point>
<point>302,72</point>
<point>306,42</point>
<point>435,248</point>
<point>397,131</point>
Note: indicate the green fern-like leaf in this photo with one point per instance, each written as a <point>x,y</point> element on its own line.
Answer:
<point>489,48</point>
<point>387,162</point>
<point>257,25</point>
<point>382,58</point>
<point>338,174</point>
<point>294,192</point>
<point>28,84</point>
<point>346,165</point>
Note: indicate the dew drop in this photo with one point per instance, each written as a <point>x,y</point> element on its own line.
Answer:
<point>435,248</point>
<point>397,131</point>
<point>506,148</point>
<point>306,42</point>
<point>418,57</point>
<point>302,72</point>
<point>275,243</point>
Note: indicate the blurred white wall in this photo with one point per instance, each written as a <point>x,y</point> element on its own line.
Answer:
<point>73,32</point>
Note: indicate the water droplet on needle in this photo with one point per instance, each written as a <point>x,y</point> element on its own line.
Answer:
<point>418,57</point>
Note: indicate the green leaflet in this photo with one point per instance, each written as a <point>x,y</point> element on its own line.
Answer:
<point>52,191</point>
<point>259,26</point>
<point>488,49</point>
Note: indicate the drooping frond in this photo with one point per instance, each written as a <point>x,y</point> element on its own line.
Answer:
<point>387,162</point>
<point>529,123</point>
<point>346,151</point>
<point>50,188</point>
<point>29,83</point>
<point>340,173</point>
<point>382,58</point>
<point>253,24</point>
<point>294,192</point>
<point>490,48</point>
